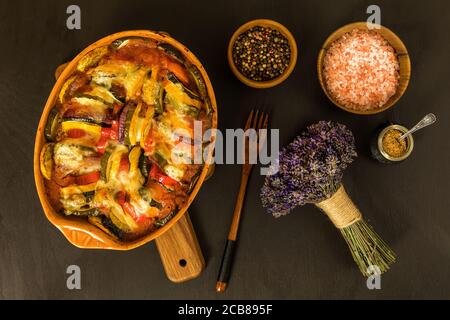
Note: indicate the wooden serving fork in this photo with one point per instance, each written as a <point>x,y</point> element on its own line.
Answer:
<point>256,120</point>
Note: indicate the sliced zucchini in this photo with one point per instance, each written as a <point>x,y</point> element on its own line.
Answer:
<point>89,195</point>
<point>92,58</point>
<point>146,196</point>
<point>113,70</point>
<point>201,86</point>
<point>183,108</point>
<point>146,126</point>
<point>94,212</point>
<point>113,162</point>
<point>167,188</point>
<point>194,180</point>
<point>121,220</point>
<point>155,204</point>
<point>77,200</point>
<point>173,78</point>
<point>133,82</point>
<point>135,172</point>
<point>65,87</point>
<point>144,165</point>
<point>101,94</point>
<point>117,44</point>
<point>69,148</point>
<point>105,74</point>
<point>105,224</point>
<point>172,51</point>
<point>127,74</point>
<point>135,125</point>
<point>163,221</point>
<point>94,105</point>
<point>51,128</point>
<point>85,120</point>
<point>104,164</point>
<point>46,160</point>
<point>198,78</point>
<point>98,222</point>
<point>160,159</point>
<point>143,125</point>
<point>130,115</point>
<point>71,190</point>
<point>181,98</point>
<point>92,129</point>
<point>152,92</point>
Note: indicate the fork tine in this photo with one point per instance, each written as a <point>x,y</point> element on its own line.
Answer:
<point>249,121</point>
<point>255,120</point>
<point>266,122</point>
<point>262,136</point>
<point>260,122</point>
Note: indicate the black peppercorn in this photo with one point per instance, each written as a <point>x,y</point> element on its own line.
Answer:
<point>261,53</point>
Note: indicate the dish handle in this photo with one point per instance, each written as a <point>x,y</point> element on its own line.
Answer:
<point>180,251</point>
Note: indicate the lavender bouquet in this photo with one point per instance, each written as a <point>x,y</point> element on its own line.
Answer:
<point>310,170</point>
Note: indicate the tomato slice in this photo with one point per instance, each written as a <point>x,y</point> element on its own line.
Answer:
<point>101,145</point>
<point>116,108</point>
<point>124,164</point>
<point>106,135</point>
<point>179,71</point>
<point>121,197</point>
<point>87,178</point>
<point>76,133</point>
<point>114,132</point>
<point>158,175</point>
<point>129,209</point>
<point>148,144</point>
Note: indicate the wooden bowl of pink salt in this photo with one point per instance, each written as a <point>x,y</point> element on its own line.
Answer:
<point>364,70</point>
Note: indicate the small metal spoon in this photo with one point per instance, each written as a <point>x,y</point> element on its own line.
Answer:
<point>426,121</point>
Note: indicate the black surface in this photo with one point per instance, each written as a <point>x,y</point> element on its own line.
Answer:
<point>298,256</point>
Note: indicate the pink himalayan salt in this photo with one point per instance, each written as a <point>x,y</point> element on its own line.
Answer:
<point>361,70</point>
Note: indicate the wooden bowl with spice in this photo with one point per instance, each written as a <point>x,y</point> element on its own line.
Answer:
<point>364,70</point>
<point>262,53</point>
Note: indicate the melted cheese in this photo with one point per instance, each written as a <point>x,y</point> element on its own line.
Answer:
<point>176,94</point>
<point>95,106</point>
<point>75,159</point>
<point>109,68</point>
<point>102,94</point>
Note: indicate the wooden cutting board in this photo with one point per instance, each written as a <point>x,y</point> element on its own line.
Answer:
<point>178,247</point>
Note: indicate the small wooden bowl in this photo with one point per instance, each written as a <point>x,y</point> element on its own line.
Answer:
<point>273,25</point>
<point>394,41</point>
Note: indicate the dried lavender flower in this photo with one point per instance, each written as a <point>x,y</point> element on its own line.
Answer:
<point>310,168</point>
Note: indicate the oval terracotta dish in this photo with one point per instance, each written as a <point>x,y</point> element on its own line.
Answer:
<point>273,25</point>
<point>79,231</point>
<point>394,41</point>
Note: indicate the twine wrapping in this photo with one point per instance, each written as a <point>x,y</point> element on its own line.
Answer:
<point>340,209</point>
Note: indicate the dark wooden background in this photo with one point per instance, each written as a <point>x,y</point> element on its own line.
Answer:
<point>300,256</point>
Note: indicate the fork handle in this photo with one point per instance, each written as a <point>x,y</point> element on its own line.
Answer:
<point>225,266</point>
<point>234,228</point>
<point>228,254</point>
